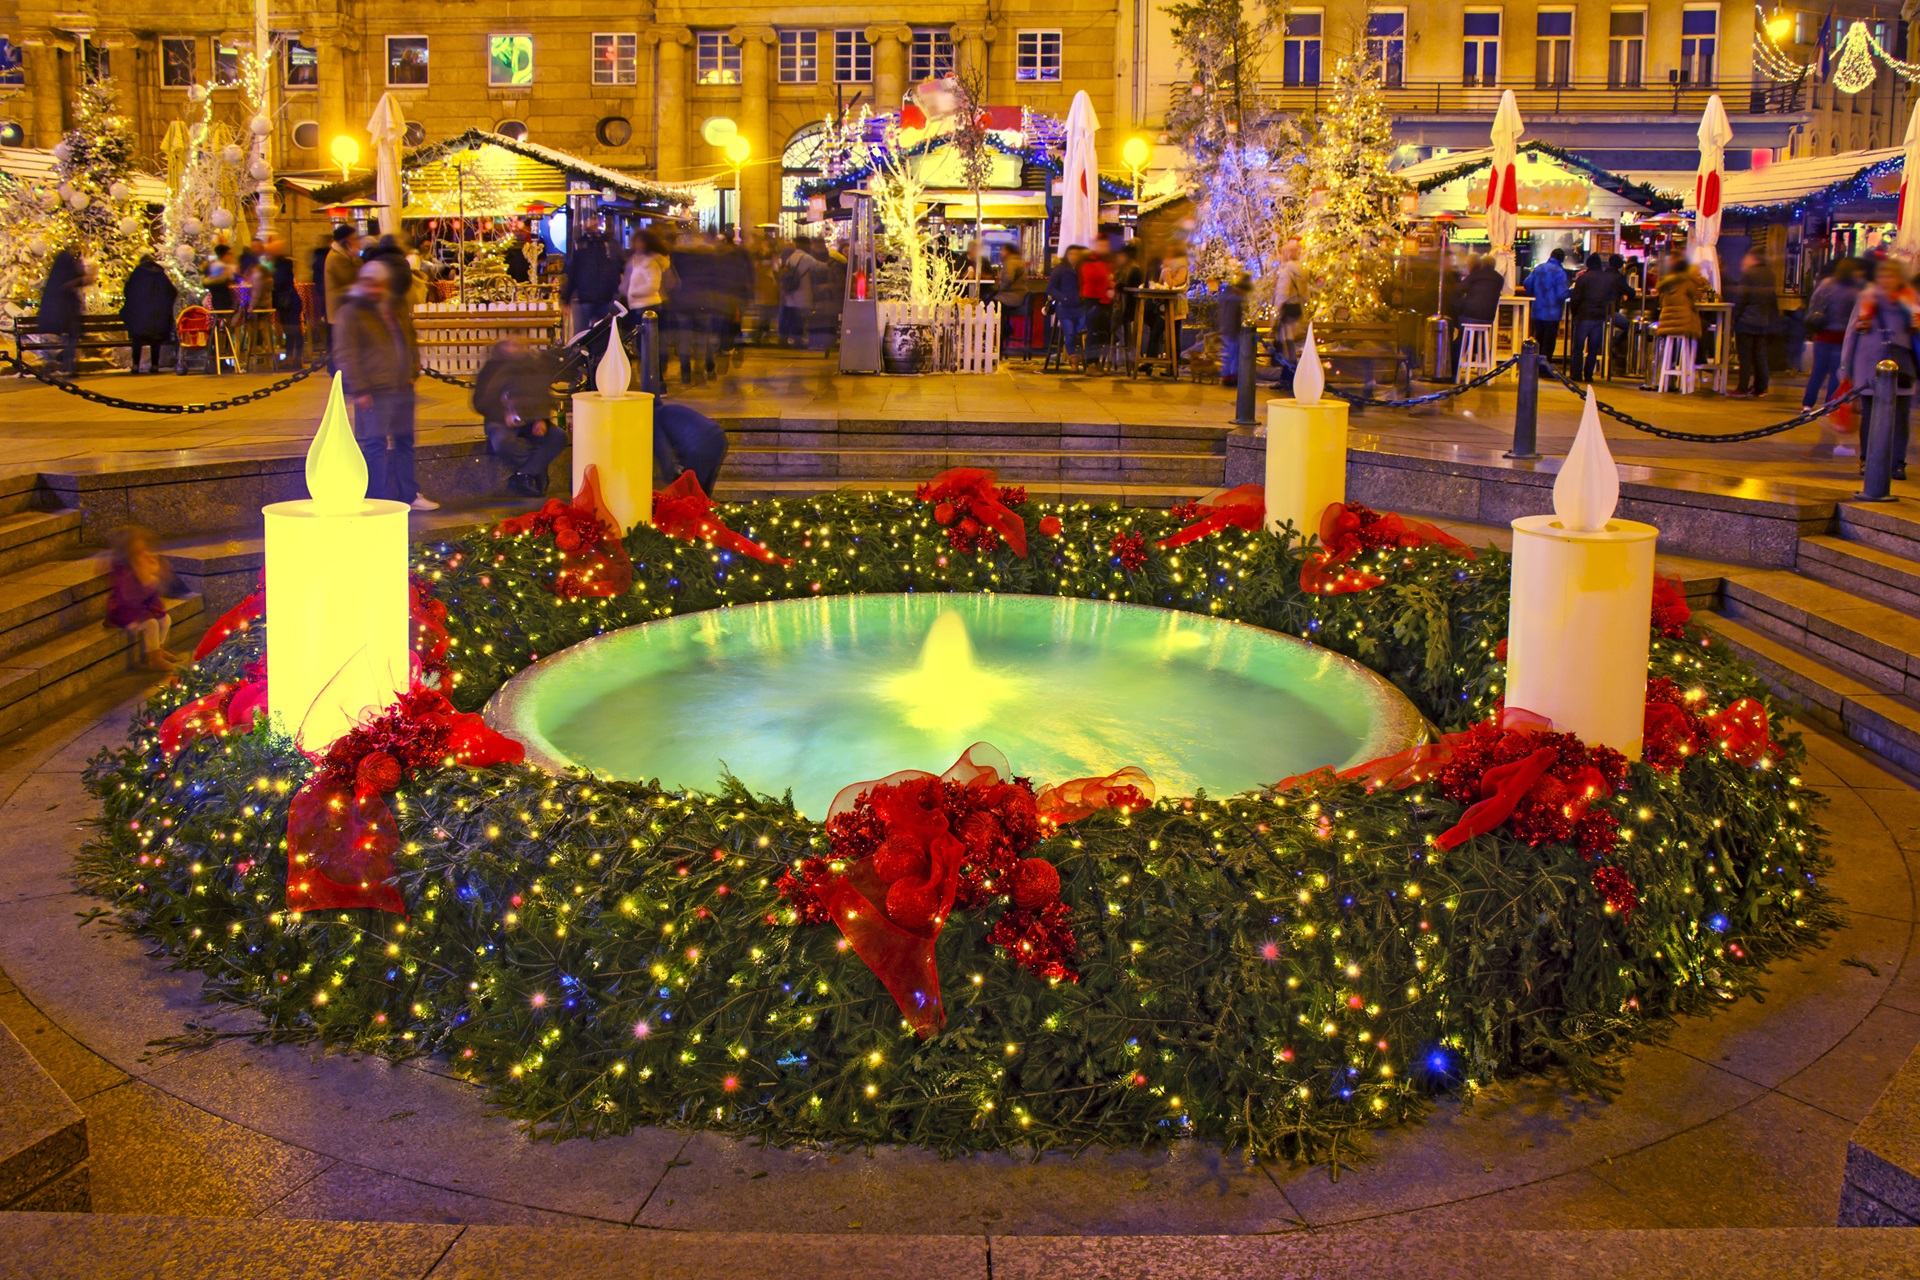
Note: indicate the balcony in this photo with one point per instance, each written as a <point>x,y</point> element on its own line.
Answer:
<point>1575,98</point>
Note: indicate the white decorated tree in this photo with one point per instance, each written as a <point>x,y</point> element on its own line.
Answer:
<point>205,164</point>
<point>98,218</point>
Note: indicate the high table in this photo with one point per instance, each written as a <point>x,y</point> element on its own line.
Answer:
<point>1155,295</point>
<point>1516,309</point>
<point>1719,357</point>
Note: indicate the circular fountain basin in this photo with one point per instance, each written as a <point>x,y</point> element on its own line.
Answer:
<point>811,695</point>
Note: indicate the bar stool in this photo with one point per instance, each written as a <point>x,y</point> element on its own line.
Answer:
<point>1476,351</point>
<point>1676,361</point>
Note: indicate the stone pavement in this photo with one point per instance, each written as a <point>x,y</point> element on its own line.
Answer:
<point>1737,1120</point>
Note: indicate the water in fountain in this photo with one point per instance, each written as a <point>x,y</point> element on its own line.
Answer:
<point>947,689</point>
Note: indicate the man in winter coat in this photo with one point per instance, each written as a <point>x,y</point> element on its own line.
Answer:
<point>594,268</point>
<point>377,363</point>
<point>286,303</point>
<point>1063,290</point>
<point>1590,304</point>
<point>146,308</point>
<point>1756,305</point>
<point>513,395</point>
<point>60,306</point>
<point>1548,284</point>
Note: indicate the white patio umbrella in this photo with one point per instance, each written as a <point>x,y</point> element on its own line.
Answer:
<point>1715,134</point>
<point>388,128</point>
<point>1503,191</point>
<point>1080,178</point>
<point>1906,216</point>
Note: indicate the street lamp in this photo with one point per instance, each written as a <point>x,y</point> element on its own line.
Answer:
<point>345,152</point>
<point>737,151</point>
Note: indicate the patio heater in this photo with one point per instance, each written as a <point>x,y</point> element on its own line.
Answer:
<point>1442,334</point>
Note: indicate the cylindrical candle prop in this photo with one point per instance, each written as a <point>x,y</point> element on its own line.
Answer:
<point>613,431</point>
<point>1306,449</point>
<point>1582,609</point>
<point>338,639</point>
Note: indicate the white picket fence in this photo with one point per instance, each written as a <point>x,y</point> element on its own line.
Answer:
<point>966,335</point>
<point>456,339</point>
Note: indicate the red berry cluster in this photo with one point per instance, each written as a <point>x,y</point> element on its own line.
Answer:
<point>1558,808</point>
<point>1670,610</point>
<point>1130,549</point>
<point>1671,734</point>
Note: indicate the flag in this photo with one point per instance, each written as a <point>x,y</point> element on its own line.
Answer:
<point>1826,46</point>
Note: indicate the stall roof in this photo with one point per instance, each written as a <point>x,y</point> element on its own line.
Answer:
<point>31,164</point>
<point>1789,182</point>
<point>646,190</point>
<point>1428,175</point>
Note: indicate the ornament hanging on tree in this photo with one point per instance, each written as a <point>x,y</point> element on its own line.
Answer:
<point>37,247</point>
<point>221,219</point>
<point>62,152</point>
<point>118,192</point>
<point>49,200</point>
<point>191,227</point>
<point>260,125</point>
<point>129,225</point>
<point>78,200</point>
<point>259,171</point>
<point>196,93</point>
<point>183,253</point>
<point>231,153</point>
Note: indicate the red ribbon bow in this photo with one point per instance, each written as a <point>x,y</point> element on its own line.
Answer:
<point>1741,730</point>
<point>593,560</point>
<point>1127,789</point>
<point>238,618</point>
<point>1347,529</point>
<point>1244,507</point>
<point>341,836</point>
<point>229,708</point>
<point>973,491</point>
<point>683,510</point>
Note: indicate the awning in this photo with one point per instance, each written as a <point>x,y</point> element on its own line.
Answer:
<point>556,166</point>
<point>38,167</point>
<point>1428,175</point>
<point>1789,182</point>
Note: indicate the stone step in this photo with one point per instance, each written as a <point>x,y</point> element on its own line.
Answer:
<point>37,679</point>
<point>41,602</point>
<point>1868,640</point>
<point>124,1246</point>
<point>1877,720</point>
<point>992,437</point>
<point>1163,494</point>
<point>1881,525</point>
<point>30,537</point>
<point>43,1136</point>
<point>1011,466</point>
<point>1863,569</point>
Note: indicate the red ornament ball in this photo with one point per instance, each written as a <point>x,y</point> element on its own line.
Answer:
<point>900,857</point>
<point>911,904</point>
<point>1035,883</point>
<point>377,772</point>
<point>944,513</point>
<point>1050,526</point>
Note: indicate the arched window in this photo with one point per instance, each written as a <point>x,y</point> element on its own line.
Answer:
<point>800,161</point>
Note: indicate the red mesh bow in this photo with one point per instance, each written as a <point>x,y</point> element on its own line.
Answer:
<point>1347,529</point>
<point>228,709</point>
<point>238,618</point>
<point>1242,508</point>
<point>341,836</point>
<point>1671,612</point>
<point>593,560</point>
<point>971,492</point>
<point>1128,790</point>
<point>683,510</point>
<point>1741,730</point>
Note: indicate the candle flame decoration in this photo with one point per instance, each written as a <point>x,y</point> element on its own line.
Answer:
<point>1588,487</point>
<point>615,371</point>
<point>1309,379</point>
<point>336,469</point>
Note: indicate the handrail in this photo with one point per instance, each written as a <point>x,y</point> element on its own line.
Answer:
<point>1449,96</point>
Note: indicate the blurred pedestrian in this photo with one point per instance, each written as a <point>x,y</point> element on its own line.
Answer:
<point>1882,327</point>
<point>61,307</point>
<point>378,362</point>
<point>1069,307</point>
<point>1548,284</point>
<point>593,271</point>
<point>1096,301</point>
<point>337,279</point>
<point>1756,305</point>
<point>513,395</point>
<point>286,304</point>
<point>684,439</point>
<point>1289,296</point>
<point>137,581</point>
<point>794,273</point>
<point>146,308</point>
<point>1828,312</point>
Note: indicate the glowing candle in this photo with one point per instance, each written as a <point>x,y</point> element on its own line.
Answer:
<point>613,431</point>
<point>338,637</point>
<point>1306,448</point>
<point>1583,603</point>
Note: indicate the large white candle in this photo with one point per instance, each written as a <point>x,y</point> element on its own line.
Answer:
<point>338,640</point>
<point>1583,603</point>
<point>613,431</point>
<point>1306,449</point>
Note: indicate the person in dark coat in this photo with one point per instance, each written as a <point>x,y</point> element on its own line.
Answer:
<point>60,308</point>
<point>1590,304</point>
<point>594,269</point>
<point>1480,292</point>
<point>685,439</point>
<point>286,303</point>
<point>1756,305</point>
<point>513,395</point>
<point>1063,290</point>
<point>146,308</point>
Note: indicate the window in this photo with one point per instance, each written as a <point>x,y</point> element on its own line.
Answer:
<point>179,62</point>
<point>303,65</point>
<point>1480,50</point>
<point>1037,56</point>
<point>12,133</point>
<point>1300,61</point>
<point>306,134</point>
<point>515,129</point>
<point>1699,34</point>
<point>415,134</point>
<point>717,58</point>
<point>1806,26</point>
<point>852,58</point>
<point>226,64</point>
<point>406,60</point>
<point>799,57</point>
<point>95,60</point>
<point>1553,49</point>
<point>509,62</point>
<point>932,54</point>
<point>615,57</point>
<point>1626,47</point>
<point>1387,44</point>
<point>13,69</point>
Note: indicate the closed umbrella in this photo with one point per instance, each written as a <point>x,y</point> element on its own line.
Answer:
<point>1715,134</point>
<point>388,128</point>
<point>1906,215</point>
<point>1080,179</point>
<point>1503,192</point>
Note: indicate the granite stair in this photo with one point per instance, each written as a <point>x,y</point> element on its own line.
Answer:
<point>1838,635</point>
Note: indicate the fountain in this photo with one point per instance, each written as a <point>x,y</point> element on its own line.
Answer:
<point>813,694</point>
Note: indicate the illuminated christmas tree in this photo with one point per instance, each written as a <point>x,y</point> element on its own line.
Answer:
<point>96,215</point>
<point>1341,200</point>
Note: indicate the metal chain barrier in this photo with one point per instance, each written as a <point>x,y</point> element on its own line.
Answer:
<point>451,379</point>
<point>142,406</point>
<point>1701,437</point>
<point>1433,397</point>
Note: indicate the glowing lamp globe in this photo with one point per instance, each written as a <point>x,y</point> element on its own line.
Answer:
<point>338,640</point>
<point>718,131</point>
<point>738,149</point>
<point>344,150</point>
<point>1136,152</point>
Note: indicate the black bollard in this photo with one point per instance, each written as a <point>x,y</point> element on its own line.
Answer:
<point>1526,405</point>
<point>1243,391</point>
<point>648,351</point>
<point>1877,484</point>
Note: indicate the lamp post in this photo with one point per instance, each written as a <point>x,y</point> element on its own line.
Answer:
<point>1134,154</point>
<point>737,151</point>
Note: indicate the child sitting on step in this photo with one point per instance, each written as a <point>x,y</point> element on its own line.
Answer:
<point>136,576</point>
